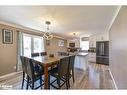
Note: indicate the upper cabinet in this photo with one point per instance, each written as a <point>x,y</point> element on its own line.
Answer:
<point>92,41</point>
<point>102,37</point>
<point>98,37</point>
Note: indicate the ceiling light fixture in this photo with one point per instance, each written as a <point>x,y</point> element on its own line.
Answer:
<point>74,33</point>
<point>47,35</point>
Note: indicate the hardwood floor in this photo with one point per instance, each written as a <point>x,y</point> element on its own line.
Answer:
<point>96,77</point>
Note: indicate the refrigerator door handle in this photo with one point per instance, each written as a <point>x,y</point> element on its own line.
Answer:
<point>102,49</point>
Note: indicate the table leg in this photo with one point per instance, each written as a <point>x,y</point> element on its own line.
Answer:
<point>46,77</point>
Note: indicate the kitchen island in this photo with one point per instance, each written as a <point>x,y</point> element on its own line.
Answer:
<point>81,61</point>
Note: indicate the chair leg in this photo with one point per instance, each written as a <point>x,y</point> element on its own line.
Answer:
<point>32,85</point>
<point>67,82</point>
<point>73,75</point>
<point>58,82</point>
<point>41,81</point>
<point>49,81</point>
<point>27,84</point>
<point>23,80</point>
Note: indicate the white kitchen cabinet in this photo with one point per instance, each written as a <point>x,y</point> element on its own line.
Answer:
<point>92,57</point>
<point>98,37</point>
<point>92,41</point>
<point>102,37</point>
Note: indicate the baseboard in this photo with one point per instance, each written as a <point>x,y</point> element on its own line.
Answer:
<point>4,77</point>
<point>113,79</point>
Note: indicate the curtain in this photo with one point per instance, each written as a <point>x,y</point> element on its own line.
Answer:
<point>19,50</point>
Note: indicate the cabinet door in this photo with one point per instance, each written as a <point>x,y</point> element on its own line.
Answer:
<point>92,41</point>
<point>92,57</point>
<point>102,37</point>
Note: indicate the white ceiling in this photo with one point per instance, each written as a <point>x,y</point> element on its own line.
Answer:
<point>84,20</point>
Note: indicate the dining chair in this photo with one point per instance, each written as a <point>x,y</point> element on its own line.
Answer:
<point>63,54</point>
<point>43,53</point>
<point>59,72</point>
<point>36,66</point>
<point>71,68</point>
<point>24,70</point>
<point>34,54</point>
<point>33,75</point>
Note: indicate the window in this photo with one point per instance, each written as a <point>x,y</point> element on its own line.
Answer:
<point>38,45</point>
<point>26,46</point>
<point>32,44</point>
<point>84,45</point>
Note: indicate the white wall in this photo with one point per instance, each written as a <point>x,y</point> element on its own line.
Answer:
<point>118,49</point>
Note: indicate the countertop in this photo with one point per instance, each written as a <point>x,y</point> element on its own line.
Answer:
<point>82,54</point>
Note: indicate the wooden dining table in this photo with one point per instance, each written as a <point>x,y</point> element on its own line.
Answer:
<point>47,62</point>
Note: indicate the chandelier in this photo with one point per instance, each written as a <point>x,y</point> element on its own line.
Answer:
<point>47,35</point>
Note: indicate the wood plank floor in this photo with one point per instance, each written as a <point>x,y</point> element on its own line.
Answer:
<point>96,77</point>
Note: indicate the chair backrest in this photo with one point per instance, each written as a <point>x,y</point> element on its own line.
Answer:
<point>63,66</point>
<point>34,54</point>
<point>63,54</point>
<point>59,54</point>
<point>43,53</point>
<point>71,62</point>
<point>30,67</point>
<point>23,64</point>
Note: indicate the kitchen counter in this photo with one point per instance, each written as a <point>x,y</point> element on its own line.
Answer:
<point>82,54</point>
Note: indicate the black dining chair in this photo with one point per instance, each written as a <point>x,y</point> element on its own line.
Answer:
<point>36,66</point>
<point>24,69</point>
<point>60,73</point>
<point>43,53</point>
<point>33,75</point>
<point>63,54</point>
<point>34,54</point>
<point>71,68</point>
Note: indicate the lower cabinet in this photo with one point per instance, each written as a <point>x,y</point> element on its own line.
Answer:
<point>92,57</point>
<point>81,62</point>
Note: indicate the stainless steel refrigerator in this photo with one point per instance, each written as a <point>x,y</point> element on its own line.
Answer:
<point>102,52</point>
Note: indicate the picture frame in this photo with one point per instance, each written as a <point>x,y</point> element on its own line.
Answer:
<point>7,36</point>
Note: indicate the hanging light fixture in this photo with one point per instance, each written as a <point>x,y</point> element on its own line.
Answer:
<point>47,35</point>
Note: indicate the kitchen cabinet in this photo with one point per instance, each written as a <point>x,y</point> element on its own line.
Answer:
<point>92,57</point>
<point>92,41</point>
<point>98,37</point>
<point>102,37</point>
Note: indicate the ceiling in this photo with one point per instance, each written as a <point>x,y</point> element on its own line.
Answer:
<point>65,20</point>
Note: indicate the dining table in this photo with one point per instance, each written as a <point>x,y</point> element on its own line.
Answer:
<point>47,62</point>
